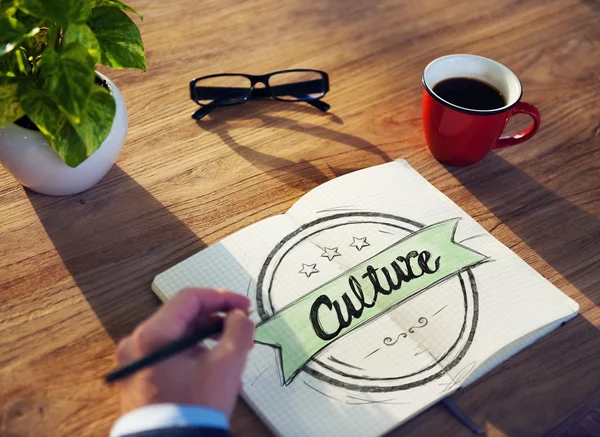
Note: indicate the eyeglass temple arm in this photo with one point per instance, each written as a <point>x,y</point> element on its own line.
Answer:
<point>319,104</point>
<point>203,112</point>
<point>260,93</point>
<point>302,90</point>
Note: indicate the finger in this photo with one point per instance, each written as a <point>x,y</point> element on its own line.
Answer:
<point>187,305</point>
<point>206,321</point>
<point>196,351</point>
<point>236,340</point>
<point>178,316</point>
<point>124,352</point>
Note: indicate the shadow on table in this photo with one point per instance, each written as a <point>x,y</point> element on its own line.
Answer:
<point>562,233</point>
<point>114,239</point>
<point>301,174</point>
<point>539,391</point>
<point>567,238</point>
<point>556,380</point>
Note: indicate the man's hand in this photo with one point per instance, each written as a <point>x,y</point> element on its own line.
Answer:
<point>209,378</point>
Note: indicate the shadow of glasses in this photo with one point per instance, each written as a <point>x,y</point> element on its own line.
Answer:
<point>301,174</point>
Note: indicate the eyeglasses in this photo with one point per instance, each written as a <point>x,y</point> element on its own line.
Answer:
<point>233,89</point>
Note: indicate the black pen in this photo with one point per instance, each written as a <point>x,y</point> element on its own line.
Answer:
<point>165,352</point>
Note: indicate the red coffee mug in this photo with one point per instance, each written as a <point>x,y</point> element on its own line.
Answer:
<point>462,136</point>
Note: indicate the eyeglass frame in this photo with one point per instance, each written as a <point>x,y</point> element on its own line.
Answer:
<point>265,92</point>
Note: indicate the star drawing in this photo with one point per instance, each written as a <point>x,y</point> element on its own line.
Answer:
<point>330,254</point>
<point>309,269</point>
<point>359,243</point>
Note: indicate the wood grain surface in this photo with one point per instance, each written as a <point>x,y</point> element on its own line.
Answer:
<point>75,272</point>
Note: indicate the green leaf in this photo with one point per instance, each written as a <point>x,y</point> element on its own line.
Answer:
<point>14,64</point>
<point>12,32</point>
<point>115,4</point>
<point>7,7</point>
<point>68,78</point>
<point>73,143</point>
<point>95,125</point>
<point>29,21</point>
<point>119,38</point>
<point>82,34</point>
<point>42,110</point>
<point>62,12</point>
<point>10,107</point>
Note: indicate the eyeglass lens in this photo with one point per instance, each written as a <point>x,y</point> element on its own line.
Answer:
<point>223,90</point>
<point>291,86</point>
<point>297,85</point>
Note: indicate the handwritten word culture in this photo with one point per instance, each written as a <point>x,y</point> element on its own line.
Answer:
<point>403,269</point>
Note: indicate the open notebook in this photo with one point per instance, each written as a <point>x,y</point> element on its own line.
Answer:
<point>375,296</point>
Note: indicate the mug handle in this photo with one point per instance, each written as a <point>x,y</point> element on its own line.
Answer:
<point>524,135</point>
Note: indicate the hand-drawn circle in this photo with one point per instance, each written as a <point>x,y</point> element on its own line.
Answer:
<point>330,373</point>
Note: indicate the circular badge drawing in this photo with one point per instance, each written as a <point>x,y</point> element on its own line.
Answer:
<point>415,342</point>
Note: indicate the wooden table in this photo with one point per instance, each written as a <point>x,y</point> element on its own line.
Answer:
<point>75,271</point>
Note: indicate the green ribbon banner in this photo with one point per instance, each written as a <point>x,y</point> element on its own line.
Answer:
<point>366,291</point>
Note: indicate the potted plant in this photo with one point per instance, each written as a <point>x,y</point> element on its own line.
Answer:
<point>63,124</point>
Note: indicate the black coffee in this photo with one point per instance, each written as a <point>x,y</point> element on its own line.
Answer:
<point>470,93</point>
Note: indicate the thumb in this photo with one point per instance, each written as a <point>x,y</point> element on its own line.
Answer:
<point>236,340</point>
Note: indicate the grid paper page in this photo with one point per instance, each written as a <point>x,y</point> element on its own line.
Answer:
<point>419,329</point>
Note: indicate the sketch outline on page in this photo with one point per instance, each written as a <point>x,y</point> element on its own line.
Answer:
<point>420,259</point>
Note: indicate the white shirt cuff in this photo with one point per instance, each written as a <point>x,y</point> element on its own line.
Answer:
<point>160,416</point>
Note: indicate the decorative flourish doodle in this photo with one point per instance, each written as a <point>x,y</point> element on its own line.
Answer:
<point>421,320</point>
<point>389,341</point>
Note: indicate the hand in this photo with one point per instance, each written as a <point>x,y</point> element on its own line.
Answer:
<point>209,378</point>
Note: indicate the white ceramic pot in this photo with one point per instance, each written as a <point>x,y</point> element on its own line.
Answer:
<point>28,157</point>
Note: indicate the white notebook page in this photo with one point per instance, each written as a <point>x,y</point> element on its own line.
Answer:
<point>414,346</point>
